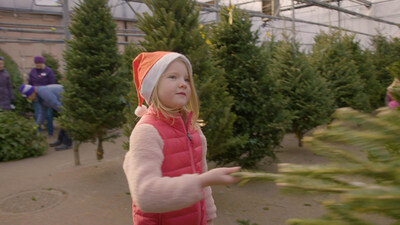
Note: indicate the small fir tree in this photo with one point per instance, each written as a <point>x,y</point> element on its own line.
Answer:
<point>335,62</point>
<point>174,26</point>
<point>91,104</point>
<point>309,98</point>
<point>19,137</point>
<point>366,69</point>
<point>268,49</point>
<point>374,88</point>
<point>259,107</point>
<point>130,95</point>
<point>385,52</point>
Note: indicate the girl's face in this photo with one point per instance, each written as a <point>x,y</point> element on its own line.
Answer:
<point>174,85</point>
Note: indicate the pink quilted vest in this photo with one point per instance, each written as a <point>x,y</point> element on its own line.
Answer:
<point>182,155</point>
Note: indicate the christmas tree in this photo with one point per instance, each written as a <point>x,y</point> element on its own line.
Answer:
<point>385,52</point>
<point>366,69</point>
<point>174,26</point>
<point>91,104</point>
<point>335,62</point>
<point>309,99</point>
<point>130,95</point>
<point>259,107</point>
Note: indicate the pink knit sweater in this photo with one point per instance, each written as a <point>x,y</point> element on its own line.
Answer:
<point>391,102</point>
<point>142,165</point>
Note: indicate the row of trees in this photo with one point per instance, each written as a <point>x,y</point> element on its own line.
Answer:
<point>266,89</point>
<point>251,93</point>
<point>258,92</point>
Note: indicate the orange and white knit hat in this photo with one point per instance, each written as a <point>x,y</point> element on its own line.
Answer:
<point>147,69</point>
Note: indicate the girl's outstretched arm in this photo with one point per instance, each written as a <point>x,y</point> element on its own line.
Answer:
<point>154,193</point>
<point>219,176</point>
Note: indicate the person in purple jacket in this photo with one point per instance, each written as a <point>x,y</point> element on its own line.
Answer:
<point>48,97</point>
<point>42,75</point>
<point>6,93</point>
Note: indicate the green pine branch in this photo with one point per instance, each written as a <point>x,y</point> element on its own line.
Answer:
<point>363,151</point>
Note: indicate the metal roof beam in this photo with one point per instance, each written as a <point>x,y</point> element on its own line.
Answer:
<point>364,2</point>
<point>299,6</point>
<point>308,22</point>
<point>133,10</point>
<point>262,15</point>
<point>325,5</point>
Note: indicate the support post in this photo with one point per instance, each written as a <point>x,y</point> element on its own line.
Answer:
<point>66,19</point>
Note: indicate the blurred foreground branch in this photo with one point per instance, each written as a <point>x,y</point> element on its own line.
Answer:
<point>364,168</point>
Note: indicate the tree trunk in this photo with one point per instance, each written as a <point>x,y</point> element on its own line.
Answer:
<point>300,138</point>
<point>76,153</point>
<point>100,150</point>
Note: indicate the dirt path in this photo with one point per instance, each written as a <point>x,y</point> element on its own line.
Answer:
<point>50,190</point>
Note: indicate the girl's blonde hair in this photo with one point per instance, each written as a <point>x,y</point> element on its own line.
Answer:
<point>396,82</point>
<point>192,105</point>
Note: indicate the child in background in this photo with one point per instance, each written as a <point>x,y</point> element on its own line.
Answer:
<point>166,164</point>
<point>391,102</point>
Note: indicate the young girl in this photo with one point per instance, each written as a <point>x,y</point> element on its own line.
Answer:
<point>391,102</point>
<point>166,164</point>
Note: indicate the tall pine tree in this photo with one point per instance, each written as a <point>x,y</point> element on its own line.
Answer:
<point>366,69</point>
<point>259,107</point>
<point>91,104</point>
<point>309,99</point>
<point>335,62</point>
<point>130,95</point>
<point>385,51</point>
<point>174,26</point>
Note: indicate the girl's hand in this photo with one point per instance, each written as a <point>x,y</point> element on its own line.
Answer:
<point>219,176</point>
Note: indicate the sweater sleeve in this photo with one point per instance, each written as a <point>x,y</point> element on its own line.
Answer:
<point>150,191</point>
<point>211,209</point>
